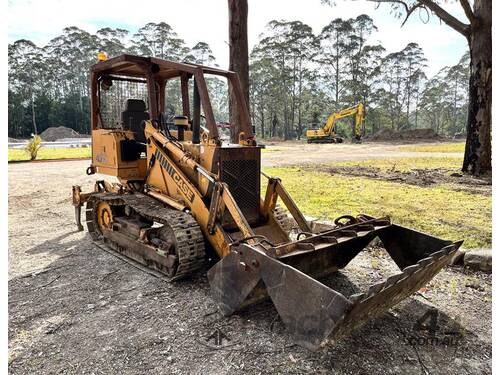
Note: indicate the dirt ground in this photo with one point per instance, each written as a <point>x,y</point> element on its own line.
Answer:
<point>294,153</point>
<point>74,308</point>
<point>419,177</point>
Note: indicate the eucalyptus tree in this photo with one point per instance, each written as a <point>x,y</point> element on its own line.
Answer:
<point>25,70</point>
<point>434,106</point>
<point>393,69</point>
<point>202,54</point>
<point>76,51</point>
<point>291,45</point>
<point>238,57</point>
<point>415,63</point>
<point>458,78</point>
<point>112,41</point>
<point>477,31</point>
<point>263,90</point>
<point>361,28</point>
<point>158,40</point>
<point>334,46</point>
<point>369,78</point>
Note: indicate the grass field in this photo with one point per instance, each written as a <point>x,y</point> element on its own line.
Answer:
<point>438,210</point>
<point>440,147</point>
<point>406,164</point>
<point>52,153</point>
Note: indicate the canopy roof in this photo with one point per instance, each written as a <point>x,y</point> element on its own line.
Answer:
<point>136,66</point>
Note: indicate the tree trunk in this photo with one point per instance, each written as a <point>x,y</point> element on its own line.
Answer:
<point>299,109</point>
<point>477,157</point>
<point>274,124</point>
<point>285,121</point>
<point>33,117</point>
<point>455,109</point>
<point>262,123</point>
<point>417,104</point>
<point>238,58</point>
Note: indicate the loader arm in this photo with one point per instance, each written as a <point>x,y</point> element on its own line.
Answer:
<point>166,163</point>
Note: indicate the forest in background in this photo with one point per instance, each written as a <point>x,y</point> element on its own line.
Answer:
<point>297,78</point>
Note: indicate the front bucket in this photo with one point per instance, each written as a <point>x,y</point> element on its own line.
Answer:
<point>313,312</point>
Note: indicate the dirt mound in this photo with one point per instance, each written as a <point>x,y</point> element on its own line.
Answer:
<point>386,134</point>
<point>383,134</point>
<point>418,134</point>
<point>59,132</point>
<point>14,140</point>
<point>420,177</point>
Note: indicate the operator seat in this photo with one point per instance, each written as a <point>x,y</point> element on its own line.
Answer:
<point>133,116</point>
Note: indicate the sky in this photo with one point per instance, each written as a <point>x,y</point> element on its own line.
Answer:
<point>206,20</point>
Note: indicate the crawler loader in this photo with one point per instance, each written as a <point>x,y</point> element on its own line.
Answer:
<point>179,192</point>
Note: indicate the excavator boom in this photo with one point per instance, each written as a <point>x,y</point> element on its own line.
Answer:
<point>182,192</point>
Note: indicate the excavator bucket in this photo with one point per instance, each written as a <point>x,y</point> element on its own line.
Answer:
<point>314,313</point>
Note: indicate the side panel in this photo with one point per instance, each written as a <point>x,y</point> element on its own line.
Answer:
<point>107,155</point>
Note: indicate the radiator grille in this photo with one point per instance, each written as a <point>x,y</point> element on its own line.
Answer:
<point>243,179</point>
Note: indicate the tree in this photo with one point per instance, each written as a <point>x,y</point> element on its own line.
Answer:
<point>293,82</point>
<point>201,54</point>
<point>444,99</point>
<point>238,58</point>
<point>394,79</point>
<point>158,40</point>
<point>414,61</point>
<point>290,46</point>
<point>458,77</point>
<point>362,28</point>
<point>263,88</point>
<point>477,157</point>
<point>25,65</point>
<point>334,43</point>
<point>112,41</point>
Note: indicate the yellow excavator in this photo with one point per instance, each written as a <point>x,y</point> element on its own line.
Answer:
<point>328,133</point>
<point>181,195</point>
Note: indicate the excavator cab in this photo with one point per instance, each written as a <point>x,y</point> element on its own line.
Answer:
<point>181,190</point>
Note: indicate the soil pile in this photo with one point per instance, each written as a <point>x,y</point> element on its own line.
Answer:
<point>14,140</point>
<point>386,134</point>
<point>54,133</point>
<point>420,177</point>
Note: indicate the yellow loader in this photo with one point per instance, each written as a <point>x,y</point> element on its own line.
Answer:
<point>180,192</point>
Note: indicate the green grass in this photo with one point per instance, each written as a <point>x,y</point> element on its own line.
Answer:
<point>266,150</point>
<point>439,147</point>
<point>52,153</point>
<point>406,164</point>
<point>440,211</point>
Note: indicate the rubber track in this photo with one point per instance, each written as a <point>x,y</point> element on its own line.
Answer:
<point>188,236</point>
